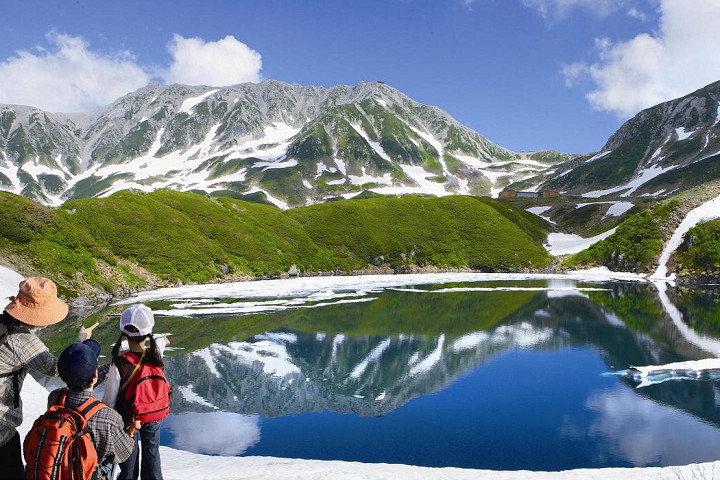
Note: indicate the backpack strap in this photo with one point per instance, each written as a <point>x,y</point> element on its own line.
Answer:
<point>7,328</point>
<point>90,407</point>
<point>137,367</point>
<point>16,385</point>
<point>87,409</point>
<point>60,399</point>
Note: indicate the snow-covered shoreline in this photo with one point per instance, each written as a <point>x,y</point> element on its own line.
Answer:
<point>307,285</point>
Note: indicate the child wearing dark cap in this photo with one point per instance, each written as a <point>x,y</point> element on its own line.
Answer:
<point>77,366</point>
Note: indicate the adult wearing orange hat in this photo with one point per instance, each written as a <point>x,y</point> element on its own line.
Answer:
<point>36,305</point>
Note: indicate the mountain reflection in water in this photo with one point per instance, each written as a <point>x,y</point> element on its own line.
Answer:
<point>495,374</point>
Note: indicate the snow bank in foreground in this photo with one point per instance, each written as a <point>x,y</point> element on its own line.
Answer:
<point>9,281</point>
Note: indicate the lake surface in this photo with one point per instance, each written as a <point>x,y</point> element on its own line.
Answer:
<point>496,372</point>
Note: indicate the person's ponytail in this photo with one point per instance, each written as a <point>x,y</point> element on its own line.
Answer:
<point>153,354</point>
<point>116,349</point>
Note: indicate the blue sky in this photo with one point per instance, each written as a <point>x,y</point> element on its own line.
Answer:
<point>527,74</point>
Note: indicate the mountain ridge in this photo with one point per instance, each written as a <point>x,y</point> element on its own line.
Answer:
<point>295,144</point>
<point>654,154</point>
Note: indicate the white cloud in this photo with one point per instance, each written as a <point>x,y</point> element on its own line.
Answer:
<point>70,77</point>
<point>225,62</point>
<point>556,10</point>
<point>637,14</point>
<point>680,57</point>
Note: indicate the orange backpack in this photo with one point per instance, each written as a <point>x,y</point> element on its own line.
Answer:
<point>59,445</point>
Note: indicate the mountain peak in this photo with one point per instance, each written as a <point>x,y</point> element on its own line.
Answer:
<point>287,143</point>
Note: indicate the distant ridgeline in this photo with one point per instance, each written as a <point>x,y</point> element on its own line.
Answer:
<point>133,240</point>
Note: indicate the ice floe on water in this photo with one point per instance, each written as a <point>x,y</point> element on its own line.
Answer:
<point>314,292</point>
<point>705,369</point>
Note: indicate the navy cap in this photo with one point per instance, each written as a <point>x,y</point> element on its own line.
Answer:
<point>79,360</point>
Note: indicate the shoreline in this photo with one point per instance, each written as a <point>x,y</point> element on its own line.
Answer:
<point>88,304</point>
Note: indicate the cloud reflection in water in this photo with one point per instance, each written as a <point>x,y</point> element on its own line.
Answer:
<point>644,432</point>
<point>215,433</point>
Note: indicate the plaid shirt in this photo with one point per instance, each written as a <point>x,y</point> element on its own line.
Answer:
<point>22,350</point>
<point>111,441</point>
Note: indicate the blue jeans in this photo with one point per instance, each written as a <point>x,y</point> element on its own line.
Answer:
<point>149,466</point>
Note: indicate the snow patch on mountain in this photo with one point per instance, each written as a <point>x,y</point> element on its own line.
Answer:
<point>617,209</point>
<point>374,145</point>
<point>683,134</point>
<point>642,178</point>
<point>568,244</point>
<point>190,103</point>
<point>599,155</point>
<point>386,179</point>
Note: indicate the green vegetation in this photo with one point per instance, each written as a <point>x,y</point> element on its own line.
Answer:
<point>449,232</point>
<point>637,308</point>
<point>700,251</point>
<point>634,246</point>
<point>130,238</point>
<point>700,309</point>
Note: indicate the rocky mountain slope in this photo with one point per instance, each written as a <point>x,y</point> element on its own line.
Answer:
<point>661,151</point>
<point>291,144</point>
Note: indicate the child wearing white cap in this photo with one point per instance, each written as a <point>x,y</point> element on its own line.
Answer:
<point>142,361</point>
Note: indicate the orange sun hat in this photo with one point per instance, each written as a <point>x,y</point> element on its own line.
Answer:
<point>37,303</point>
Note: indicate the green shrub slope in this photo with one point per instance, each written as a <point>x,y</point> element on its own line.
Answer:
<point>699,254</point>
<point>131,239</point>
<point>451,232</point>
<point>635,245</point>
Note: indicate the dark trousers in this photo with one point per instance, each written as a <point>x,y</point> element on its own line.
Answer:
<point>11,465</point>
<point>149,465</point>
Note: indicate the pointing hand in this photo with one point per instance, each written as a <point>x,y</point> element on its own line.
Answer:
<point>86,333</point>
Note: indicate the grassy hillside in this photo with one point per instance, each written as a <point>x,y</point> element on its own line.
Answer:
<point>699,254</point>
<point>450,232</point>
<point>131,239</point>
<point>635,245</point>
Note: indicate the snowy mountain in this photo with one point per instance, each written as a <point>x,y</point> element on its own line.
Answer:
<point>284,373</point>
<point>292,144</point>
<point>661,151</point>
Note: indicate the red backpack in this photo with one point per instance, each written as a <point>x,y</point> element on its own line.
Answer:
<point>59,445</point>
<point>145,393</point>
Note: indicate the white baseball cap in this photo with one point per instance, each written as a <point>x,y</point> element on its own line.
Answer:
<point>140,317</point>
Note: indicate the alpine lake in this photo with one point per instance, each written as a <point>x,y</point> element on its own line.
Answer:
<point>491,372</point>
